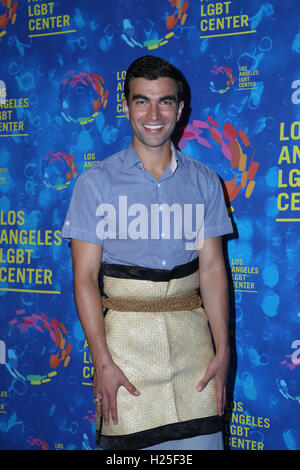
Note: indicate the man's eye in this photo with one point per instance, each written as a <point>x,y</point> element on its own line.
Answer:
<point>140,102</point>
<point>166,103</point>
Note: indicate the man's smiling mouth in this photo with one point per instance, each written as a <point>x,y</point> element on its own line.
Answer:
<point>153,127</point>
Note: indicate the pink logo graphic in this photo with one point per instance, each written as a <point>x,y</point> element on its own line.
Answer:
<point>60,352</point>
<point>234,145</point>
<point>9,15</point>
<point>58,169</point>
<point>81,96</point>
<point>222,79</point>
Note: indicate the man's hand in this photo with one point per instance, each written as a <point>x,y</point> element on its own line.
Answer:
<point>217,369</point>
<point>106,382</point>
<point>108,376</point>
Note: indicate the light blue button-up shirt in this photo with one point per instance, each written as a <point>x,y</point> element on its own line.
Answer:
<point>141,221</point>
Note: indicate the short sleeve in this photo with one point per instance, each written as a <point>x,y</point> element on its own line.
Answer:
<point>81,221</point>
<point>216,219</point>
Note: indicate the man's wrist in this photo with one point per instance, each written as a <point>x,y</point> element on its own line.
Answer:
<point>223,348</point>
<point>102,361</point>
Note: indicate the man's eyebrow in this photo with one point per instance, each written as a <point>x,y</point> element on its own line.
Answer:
<point>163,98</point>
<point>168,97</point>
<point>140,97</point>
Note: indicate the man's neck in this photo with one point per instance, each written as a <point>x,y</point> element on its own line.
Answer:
<point>154,159</point>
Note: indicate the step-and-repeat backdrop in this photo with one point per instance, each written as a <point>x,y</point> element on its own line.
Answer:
<point>62,68</point>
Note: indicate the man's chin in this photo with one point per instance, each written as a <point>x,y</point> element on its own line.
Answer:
<point>154,143</point>
<point>153,140</point>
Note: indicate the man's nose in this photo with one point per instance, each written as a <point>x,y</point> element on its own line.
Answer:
<point>154,111</point>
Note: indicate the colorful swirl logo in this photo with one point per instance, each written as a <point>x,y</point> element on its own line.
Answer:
<point>37,442</point>
<point>234,144</point>
<point>58,169</point>
<point>147,37</point>
<point>9,15</point>
<point>28,326</point>
<point>81,96</point>
<point>286,382</point>
<point>222,79</point>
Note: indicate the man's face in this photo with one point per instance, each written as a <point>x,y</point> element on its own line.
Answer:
<point>153,110</point>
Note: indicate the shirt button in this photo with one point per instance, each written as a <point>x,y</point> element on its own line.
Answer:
<point>158,185</point>
<point>67,222</point>
<point>162,235</point>
<point>163,262</point>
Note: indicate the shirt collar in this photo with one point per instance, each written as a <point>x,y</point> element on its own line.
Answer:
<point>131,158</point>
<point>174,159</point>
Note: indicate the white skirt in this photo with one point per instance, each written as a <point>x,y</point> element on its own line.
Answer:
<point>164,354</point>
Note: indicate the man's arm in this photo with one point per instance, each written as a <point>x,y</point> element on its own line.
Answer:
<point>214,292</point>
<point>108,377</point>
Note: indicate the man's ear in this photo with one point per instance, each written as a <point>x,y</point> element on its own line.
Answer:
<point>179,111</point>
<point>126,108</point>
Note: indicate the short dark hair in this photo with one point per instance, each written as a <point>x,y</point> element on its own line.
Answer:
<point>153,68</point>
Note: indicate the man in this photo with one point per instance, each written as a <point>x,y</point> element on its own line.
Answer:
<point>157,378</point>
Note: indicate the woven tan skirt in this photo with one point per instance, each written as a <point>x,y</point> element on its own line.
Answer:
<point>164,354</point>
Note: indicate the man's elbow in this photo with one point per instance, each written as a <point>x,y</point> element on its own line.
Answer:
<point>84,280</point>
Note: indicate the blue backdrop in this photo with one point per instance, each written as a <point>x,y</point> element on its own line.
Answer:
<point>62,71</point>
